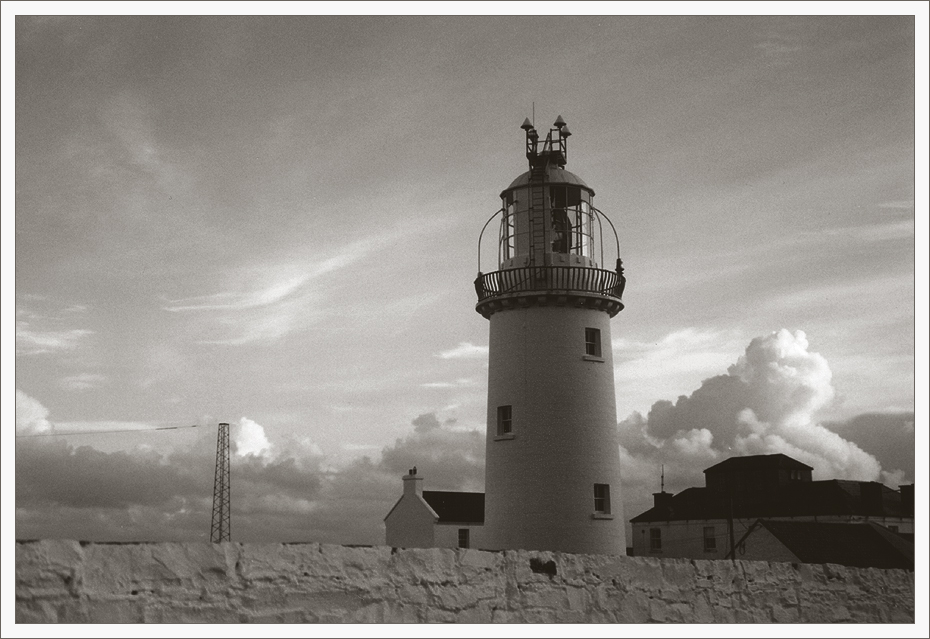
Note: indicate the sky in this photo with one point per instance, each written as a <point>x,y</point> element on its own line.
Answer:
<point>273,222</point>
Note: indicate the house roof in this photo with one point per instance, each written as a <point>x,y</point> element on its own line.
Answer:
<point>757,462</point>
<point>865,545</point>
<point>831,497</point>
<point>456,507</point>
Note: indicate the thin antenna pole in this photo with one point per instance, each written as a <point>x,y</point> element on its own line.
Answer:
<point>219,524</point>
<point>663,478</point>
<point>534,115</point>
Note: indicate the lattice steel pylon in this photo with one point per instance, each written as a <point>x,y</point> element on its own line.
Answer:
<point>219,526</point>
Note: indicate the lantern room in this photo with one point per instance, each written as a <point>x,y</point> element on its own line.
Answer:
<point>551,239</point>
<point>563,210</point>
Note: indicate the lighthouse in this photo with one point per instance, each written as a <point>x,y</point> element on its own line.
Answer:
<point>552,480</point>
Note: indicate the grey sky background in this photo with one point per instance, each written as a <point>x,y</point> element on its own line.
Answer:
<point>273,222</point>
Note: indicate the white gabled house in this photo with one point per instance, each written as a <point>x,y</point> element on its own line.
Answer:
<point>434,518</point>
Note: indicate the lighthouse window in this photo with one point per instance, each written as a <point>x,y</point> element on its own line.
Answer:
<point>504,420</point>
<point>602,499</point>
<point>592,342</point>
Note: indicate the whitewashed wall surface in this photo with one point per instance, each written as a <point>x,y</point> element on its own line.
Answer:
<point>68,581</point>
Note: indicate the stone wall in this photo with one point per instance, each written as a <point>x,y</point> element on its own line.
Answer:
<point>67,581</point>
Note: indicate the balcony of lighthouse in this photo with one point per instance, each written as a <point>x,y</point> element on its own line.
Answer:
<point>566,272</point>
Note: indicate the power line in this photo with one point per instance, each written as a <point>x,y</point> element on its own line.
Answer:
<point>104,432</point>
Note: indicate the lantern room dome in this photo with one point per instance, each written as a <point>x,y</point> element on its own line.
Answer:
<point>554,176</point>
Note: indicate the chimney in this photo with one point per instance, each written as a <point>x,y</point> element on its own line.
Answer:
<point>907,500</point>
<point>413,484</point>
<point>662,499</point>
<point>872,499</point>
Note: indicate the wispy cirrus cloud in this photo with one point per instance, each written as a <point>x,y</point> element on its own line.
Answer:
<point>904,205</point>
<point>82,381</point>
<point>462,382</point>
<point>32,341</point>
<point>269,301</point>
<point>865,233</point>
<point>42,326</point>
<point>779,46</point>
<point>465,350</point>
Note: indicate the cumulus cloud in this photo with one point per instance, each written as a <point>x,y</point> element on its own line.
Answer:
<point>766,403</point>
<point>31,416</point>
<point>248,438</point>
<point>281,491</point>
<point>888,437</point>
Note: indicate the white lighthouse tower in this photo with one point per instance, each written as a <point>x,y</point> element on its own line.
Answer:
<point>552,480</point>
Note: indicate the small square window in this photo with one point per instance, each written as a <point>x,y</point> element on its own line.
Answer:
<point>464,538</point>
<point>592,342</point>
<point>710,539</point>
<point>504,420</point>
<point>655,540</point>
<point>602,499</point>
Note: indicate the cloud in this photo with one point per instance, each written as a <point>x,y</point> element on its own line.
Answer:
<point>779,48</point>
<point>101,426</point>
<point>677,361</point>
<point>459,383</point>
<point>897,204</point>
<point>31,416</point>
<point>867,233</point>
<point>265,302</point>
<point>83,381</point>
<point>129,118</point>
<point>425,423</point>
<point>30,341</point>
<point>465,350</point>
<point>889,437</point>
<point>281,491</point>
<point>57,474</point>
<point>42,331</point>
<point>766,403</point>
<point>248,438</point>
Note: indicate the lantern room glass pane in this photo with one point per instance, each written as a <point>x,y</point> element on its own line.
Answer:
<point>515,225</point>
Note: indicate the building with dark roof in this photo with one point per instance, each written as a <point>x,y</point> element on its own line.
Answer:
<point>702,523</point>
<point>455,507</point>
<point>866,545</point>
<point>434,518</point>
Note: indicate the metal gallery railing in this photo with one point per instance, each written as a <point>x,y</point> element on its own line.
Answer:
<point>550,279</point>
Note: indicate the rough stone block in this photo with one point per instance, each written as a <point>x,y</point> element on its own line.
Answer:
<point>632,607</point>
<point>781,614</point>
<point>658,611</point>
<point>702,610</point>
